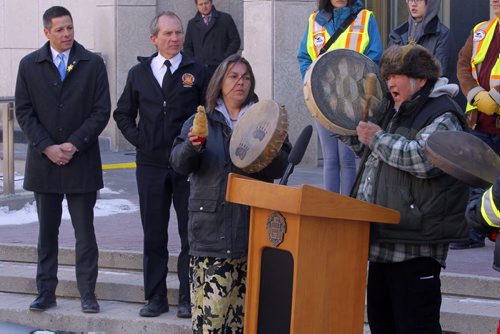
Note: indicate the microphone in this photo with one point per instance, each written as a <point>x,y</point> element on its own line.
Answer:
<point>297,152</point>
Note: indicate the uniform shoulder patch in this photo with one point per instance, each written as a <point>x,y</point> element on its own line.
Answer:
<point>188,80</point>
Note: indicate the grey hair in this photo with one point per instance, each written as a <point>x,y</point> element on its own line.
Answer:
<point>413,84</point>
<point>153,26</point>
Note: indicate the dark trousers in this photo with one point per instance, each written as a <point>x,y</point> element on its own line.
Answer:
<point>491,140</point>
<point>158,188</point>
<point>404,297</point>
<point>81,210</point>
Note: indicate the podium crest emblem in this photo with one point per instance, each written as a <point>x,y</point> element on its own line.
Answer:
<point>276,228</point>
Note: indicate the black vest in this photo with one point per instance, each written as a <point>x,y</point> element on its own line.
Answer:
<point>432,210</point>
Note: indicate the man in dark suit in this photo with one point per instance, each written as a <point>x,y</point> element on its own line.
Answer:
<point>164,90</point>
<point>62,105</point>
<point>211,36</point>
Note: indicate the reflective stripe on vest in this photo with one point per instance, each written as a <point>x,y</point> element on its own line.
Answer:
<point>489,210</point>
<point>482,37</point>
<point>355,37</point>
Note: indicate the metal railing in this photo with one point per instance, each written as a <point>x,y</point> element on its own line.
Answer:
<point>7,107</point>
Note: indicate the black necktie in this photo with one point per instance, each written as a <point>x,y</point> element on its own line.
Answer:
<point>167,78</point>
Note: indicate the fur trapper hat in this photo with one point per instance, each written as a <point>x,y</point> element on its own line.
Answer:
<point>411,60</point>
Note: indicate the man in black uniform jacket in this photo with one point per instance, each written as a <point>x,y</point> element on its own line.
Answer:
<point>163,90</point>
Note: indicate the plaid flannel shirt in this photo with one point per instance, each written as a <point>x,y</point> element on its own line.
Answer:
<point>407,155</point>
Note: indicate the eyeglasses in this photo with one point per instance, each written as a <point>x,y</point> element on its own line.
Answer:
<point>415,2</point>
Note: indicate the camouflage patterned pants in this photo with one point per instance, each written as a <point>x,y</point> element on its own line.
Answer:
<point>217,294</point>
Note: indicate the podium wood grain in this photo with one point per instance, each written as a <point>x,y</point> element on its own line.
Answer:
<point>327,235</point>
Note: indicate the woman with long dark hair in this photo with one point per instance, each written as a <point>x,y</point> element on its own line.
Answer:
<point>218,230</point>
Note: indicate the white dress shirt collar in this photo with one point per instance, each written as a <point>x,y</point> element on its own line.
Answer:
<point>158,66</point>
<point>55,53</point>
<point>159,61</point>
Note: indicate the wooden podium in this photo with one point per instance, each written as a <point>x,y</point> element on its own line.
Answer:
<point>307,257</point>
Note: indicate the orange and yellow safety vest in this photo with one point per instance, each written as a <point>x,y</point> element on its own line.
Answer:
<point>482,37</point>
<point>355,37</point>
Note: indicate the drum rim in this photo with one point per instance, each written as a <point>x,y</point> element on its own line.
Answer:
<point>450,167</point>
<point>313,106</point>
<point>279,136</point>
<point>317,114</point>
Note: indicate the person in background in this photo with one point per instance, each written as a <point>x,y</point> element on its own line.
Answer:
<point>478,72</point>
<point>163,90</point>
<point>483,215</point>
<point>62,105</point>
<point>403,292</point>
<point>211,35</point>
<point>339,165</point>
<point>219,230</point>
<point>424,28</point>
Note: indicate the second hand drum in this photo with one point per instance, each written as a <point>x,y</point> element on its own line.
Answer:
<point>463,156</point>
<point>258,137</point>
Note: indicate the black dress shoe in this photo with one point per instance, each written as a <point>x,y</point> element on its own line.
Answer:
<point>155,306</point>
<point>89,303</point>
<point>184,310</point>
<point>44,301</point>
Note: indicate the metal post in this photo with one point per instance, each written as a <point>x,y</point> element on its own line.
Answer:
<point>8,148</point>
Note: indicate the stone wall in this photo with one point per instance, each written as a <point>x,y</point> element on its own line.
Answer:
<point>21,31</point>
<point>271,31</point>
<point>118,30</point>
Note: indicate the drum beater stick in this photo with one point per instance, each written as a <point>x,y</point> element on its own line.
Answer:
<point>370,86</point>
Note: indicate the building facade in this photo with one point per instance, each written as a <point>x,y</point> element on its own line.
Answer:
<point>270,29</point>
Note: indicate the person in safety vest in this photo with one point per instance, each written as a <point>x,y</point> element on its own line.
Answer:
<point>483,214</point>
<point>478,72</point>
<point>424,28</point>
<point>362,35</point>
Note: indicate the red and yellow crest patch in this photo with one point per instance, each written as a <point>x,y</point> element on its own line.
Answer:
<point>188,80</point>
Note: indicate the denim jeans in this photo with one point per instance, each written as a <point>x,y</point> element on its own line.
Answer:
<point>493,141</point>
<point>339,162</point>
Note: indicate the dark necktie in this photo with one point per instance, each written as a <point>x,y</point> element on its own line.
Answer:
<point>206,19</point>
<point>167,78</point>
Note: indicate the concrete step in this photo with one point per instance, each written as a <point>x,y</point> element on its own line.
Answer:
<point>126,260</point>
<point>458,315</point>
<point>120,274</point>
<point>469,315</point>
<point>127,286</point>
<point>452,283</point>
<point>471,304</point>
<point>114,318</point>
<point>462,285</point>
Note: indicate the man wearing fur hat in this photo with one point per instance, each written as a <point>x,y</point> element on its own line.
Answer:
<point>403,294</point>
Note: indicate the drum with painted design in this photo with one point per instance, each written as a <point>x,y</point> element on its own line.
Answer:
<point>334,90</point>
<point>258,136</point>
